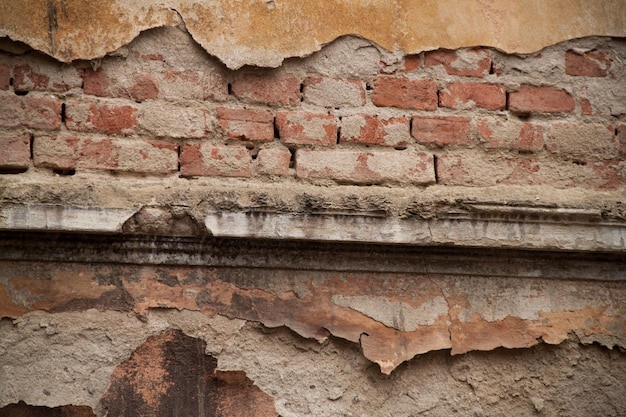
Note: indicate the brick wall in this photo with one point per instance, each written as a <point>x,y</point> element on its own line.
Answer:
<point>470,117</point>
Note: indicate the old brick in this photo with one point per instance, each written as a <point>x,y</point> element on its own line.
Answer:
<point>103,153</point>
<point>14,150</point>
<point>114,81</point>
<point>621,138</point>
<point>361,167</point>
<point>463,62</point>
<point>588,64</point>
<point>275,90</point>
<point>582,141</point>
<point>411,62</point>
<point>404,93</point>
<point>273,161</point>
<point>372,130</point>
<point>46,76</point>
<point>218,161</point>
<point>245,124</point>
<point>5,77</point>
<point>533,99</point>
<point>172,120</point>
<point>334,92</point>
<point>441,130</point>
<point>510,134</point>
<point>36,112</point>
<point>111,119</point>
<point>193,84</point>
<point>297,127</point>
<point>470,95</point>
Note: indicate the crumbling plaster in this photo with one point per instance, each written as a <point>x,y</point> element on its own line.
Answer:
<point>265,32</point>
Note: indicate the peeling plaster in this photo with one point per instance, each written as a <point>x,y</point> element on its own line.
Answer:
<point>265,33</point>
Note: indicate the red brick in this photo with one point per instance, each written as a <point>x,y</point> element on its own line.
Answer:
<point>585,107</point>
<point>411,62</point>
<point>273,161</point>
<point>244,124</point>
<point>511,134</point>
<point>358,167</point>
<point>144,88</point>
<point>36,112</point>
<point>138,87</point>
<point>218,161</point>
<point>46,76</point>
<point>14,150</point>
<point>532,99</point>
<point>468,63</point>
<point>100,117</point>
<point>470,95</point>
<point>588,64</point>
<point>307,128</point>
<point>371,130</point>
<point>441,130</point>
<point>274,90</point>
<point>334,92</point>
<point>5,77</point>
<point>404,93</point>
<point>103,153</point>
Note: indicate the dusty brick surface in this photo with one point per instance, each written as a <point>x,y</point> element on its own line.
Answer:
<point>99,117</point>
<point>211,160</point>
<point>366,167</point>
<point>5,77</point>
<point>582,141</point>
<point>46,76</point>
<point>172,120</point>
<point>14,150</point>
<point>274,90</point>
<point>334,92</point>
<point>31,111</point>
<point>441,130</point>
<point>588,64</point>
<point>66,151</point>
<point>468,63</point>
<point>371,130</point>
<point>511,134</point>
<point>305,128</point>
<point>273,161</point>
<point>404,93</point>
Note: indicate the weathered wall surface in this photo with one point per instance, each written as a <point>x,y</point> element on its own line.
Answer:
<point>503,173</point>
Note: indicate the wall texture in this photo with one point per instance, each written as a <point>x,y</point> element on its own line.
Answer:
<point>426,231</point>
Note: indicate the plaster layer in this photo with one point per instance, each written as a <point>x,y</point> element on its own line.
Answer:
<point>265,32</point>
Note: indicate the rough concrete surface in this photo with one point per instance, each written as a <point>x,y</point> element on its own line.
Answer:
<point>305,377</point>
<point>264,32</point>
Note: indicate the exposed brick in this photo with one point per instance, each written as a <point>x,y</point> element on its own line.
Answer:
<point>36,112</point>
<point>113,81</point>
<point>334,92</point>
<point>244,124</point>
<point>588,64</point>
<point>103,153</point>
<point>190,84</point>
<point>441,130</point>
<point>411,62</point>
<point>218,161</point>
<point>511,134</point>
<point>144,88</point>
<point>84,116</point>
<point>371,130</point>
<point>307,128</point>
<point>404,93</point>
<point>273,161</point>
<point>359,167</point>
<point>275,90</point>
<point>464,62</point>
<point>479,169</point>
<point>171,120</point>
<point>582,141</point>
<point>532,99</point>
<point>585,107</point>
<point>14,150</point>
<point>470,95</point>
<point>46,76</point>
<point>5,77</point>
